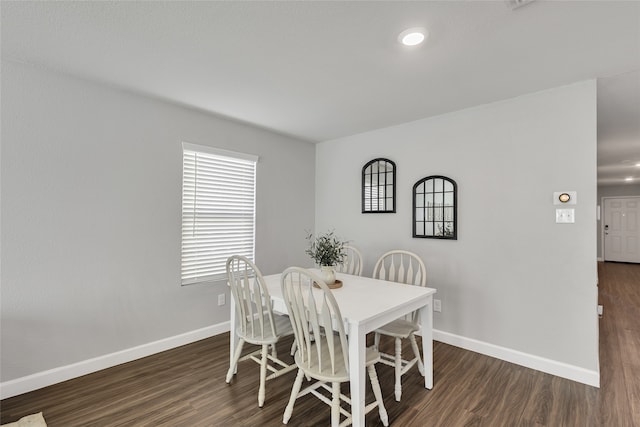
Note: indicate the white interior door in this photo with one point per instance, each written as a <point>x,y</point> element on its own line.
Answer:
<point>622,229</point>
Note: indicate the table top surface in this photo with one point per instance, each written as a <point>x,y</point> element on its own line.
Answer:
<point>363,298</point>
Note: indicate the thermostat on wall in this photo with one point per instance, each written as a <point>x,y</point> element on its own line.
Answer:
<point>565,198</point>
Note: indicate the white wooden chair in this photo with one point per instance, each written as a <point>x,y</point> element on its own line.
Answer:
<point>404,267</point>
<point>256,322</point>
<point>322,352</point>
<point>352,263</point>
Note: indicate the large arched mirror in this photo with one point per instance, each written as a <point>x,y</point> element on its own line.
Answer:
<point>434,208</point>
<point>379,186</point>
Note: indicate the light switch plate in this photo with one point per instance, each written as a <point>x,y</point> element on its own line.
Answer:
<point>565,216</point>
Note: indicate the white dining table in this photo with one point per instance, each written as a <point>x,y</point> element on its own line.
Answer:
<point>366,304</point>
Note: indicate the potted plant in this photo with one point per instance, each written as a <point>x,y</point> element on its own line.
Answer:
<point>327,251</point>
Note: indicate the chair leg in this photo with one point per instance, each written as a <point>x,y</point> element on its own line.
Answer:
<point>294,346</point>
<point>294,395</point>
<point>335,404</point>
<point>375,385</point>
<point>398,368</point>
<point>274,351</point>
<point>416,351</point>
<point>376,341</point>
<point>234,363</point>
<point>263,374</point>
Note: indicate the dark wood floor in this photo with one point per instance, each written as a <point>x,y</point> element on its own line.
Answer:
<point>186,387</point>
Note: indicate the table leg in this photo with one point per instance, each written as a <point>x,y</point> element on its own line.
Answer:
<point>357,354</point>
<point>426,320</point>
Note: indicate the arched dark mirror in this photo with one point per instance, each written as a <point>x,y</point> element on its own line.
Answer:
<point>434,208</point>
<point>379,186</point>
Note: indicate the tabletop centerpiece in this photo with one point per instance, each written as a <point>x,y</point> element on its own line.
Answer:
<point>327,250</point>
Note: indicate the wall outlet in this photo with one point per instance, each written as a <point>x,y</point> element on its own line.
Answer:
<point>600,310</point>
<point>437,305</point>
<point>221,299</point>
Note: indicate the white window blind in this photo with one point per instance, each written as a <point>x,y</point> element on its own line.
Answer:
<point>218,211</point>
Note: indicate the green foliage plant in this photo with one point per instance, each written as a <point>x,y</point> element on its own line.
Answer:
<point>326,249</point>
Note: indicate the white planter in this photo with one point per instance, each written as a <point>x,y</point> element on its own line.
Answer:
<point>328,274</point>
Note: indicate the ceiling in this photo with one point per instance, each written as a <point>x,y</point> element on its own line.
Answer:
<point>324,70</point>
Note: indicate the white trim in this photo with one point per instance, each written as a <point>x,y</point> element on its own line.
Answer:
<point>220,152</point>
<point>600,259</point>
<point>538,363</point>
<point>64,373</point>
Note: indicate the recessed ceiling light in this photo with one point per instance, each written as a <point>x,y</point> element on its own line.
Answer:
<point>638,165</point>
<point>412,36</point>
<point>629,178</point>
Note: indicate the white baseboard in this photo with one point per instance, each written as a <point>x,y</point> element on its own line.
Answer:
<point>538,363</point>
<point>63,373</point>
<point>600,259</point>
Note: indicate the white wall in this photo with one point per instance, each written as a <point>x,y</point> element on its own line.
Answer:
<point>514,278</point>
<point>91,199</point>
<point>624,190</point>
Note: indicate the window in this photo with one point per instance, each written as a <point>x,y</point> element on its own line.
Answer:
<point>434,208</point>
<point>218,211</point>
<point>379,186</point>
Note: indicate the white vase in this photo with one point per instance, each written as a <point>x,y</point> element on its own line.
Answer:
<point>328,274</point>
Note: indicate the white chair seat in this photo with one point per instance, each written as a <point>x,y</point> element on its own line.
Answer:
<point>399,328</point>
<point>312,368</point>
<point>282,326</point>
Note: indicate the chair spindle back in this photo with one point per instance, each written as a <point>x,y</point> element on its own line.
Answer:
<point>402,267</point>
<point>253,303</point>
<point>352,263</point>
<point>314,315</point>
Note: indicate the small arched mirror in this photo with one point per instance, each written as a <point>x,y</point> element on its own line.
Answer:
<point>434,208</point>
<point>379,186</point>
